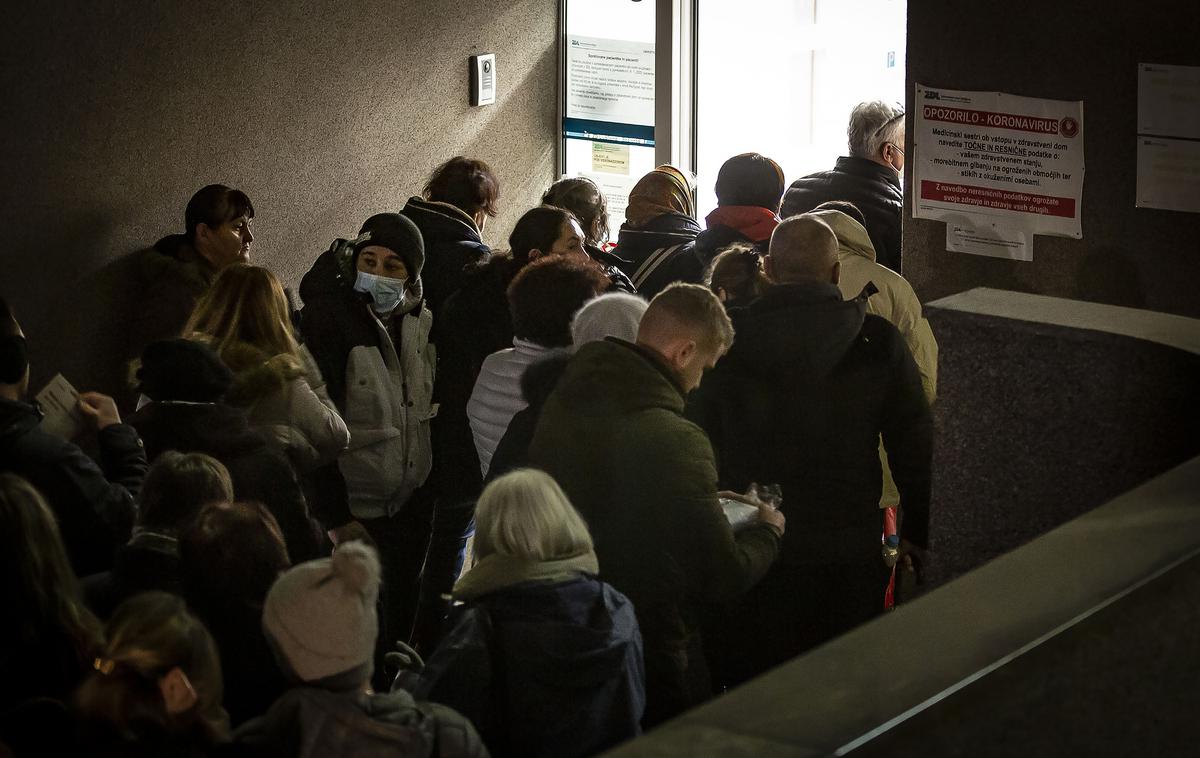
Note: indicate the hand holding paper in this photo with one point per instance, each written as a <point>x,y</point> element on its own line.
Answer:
<point>101,410</point>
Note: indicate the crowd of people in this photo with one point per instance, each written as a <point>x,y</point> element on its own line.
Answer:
<point>467,501</point>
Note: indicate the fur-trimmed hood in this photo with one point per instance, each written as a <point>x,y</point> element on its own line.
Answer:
<point>256,374</point>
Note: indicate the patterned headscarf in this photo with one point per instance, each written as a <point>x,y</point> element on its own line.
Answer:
<point>664,190</point>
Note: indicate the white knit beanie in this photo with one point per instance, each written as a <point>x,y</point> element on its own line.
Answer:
<point>321,614</point>
<point>614,314</point>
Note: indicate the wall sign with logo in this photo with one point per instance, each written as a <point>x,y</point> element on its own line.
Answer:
<point>998,168</point>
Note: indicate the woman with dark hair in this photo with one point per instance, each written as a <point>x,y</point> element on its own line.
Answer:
<point>459,198</point>
<point>177,487</point>
<point>178,269</point>
<point>541,299</point>
<point>749,187</point>
<point>736,275</point>
<point>583,197</point>
<point>48,638</point>
<point>474,324</point>
<point>229,559</point>
<point>657,241</point>
<point>155,686</point>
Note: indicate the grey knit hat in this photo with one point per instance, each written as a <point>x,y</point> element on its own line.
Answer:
<point>320,616</point>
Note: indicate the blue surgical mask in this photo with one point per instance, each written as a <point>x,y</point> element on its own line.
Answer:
<point>386,293</point>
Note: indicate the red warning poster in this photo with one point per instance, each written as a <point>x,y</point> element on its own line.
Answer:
<point>999,161</point>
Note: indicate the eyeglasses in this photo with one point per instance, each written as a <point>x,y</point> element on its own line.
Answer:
<point>889,122</point>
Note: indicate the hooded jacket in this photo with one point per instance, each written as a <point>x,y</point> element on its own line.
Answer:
<point>543,668</point>
<point>660,252</point>
<point>307,722</point>
<point>381,379</point>
<point>895,301</point>
<point>612,434</point>
<point>93,505</point>
<point>452,244</point>
<point>801,400</point>
<point>286,401</point>
<point>875,189</point>
<point>259,472</point>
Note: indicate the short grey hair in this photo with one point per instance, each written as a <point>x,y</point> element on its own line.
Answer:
<point>873,124</point>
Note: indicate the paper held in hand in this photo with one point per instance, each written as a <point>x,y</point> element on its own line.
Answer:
<point>740,515</point>
<point>60,404</point>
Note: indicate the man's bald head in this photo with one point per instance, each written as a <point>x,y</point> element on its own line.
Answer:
<point>803,248</point>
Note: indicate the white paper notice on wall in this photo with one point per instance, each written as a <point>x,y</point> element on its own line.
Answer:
<point>1168,174</point>
<point>990,240</point>
<point>1169,100</point>
<point>990,159</point>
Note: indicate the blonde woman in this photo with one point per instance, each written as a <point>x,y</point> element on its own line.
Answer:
<point>545,659</point>
<point>244,317</point>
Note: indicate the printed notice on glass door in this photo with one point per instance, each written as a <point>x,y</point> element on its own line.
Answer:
<point>610,80</point>
<point>990,160</point>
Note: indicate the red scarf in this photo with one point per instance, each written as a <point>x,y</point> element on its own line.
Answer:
<point>753,222</point>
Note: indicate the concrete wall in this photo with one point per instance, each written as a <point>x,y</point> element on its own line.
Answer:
<point>116,111</point>
<point>1069,50</point>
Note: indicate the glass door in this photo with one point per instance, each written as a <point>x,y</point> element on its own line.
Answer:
<point>608,104</point>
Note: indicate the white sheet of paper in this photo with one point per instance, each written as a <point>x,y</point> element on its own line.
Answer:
<point>1168,174</point>
<point>1169,100</point>
<point>994,241</point>
<point>60,404</point>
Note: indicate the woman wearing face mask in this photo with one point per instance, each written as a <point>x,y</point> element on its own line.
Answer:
<point>366,325</point>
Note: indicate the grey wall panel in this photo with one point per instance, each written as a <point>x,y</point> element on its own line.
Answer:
<point>324,112</point>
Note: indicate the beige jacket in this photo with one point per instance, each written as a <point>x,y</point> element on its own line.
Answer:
<point>895,301</point>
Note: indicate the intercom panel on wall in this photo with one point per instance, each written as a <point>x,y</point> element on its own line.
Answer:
<point>483,79</point>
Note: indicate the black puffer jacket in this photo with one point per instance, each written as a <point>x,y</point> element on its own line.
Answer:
<point>875,189</point>
<point>93,505</point>
<point>259,472</point>
<point>452,244</point>
<point>800,400</point>
<point>659,253</point>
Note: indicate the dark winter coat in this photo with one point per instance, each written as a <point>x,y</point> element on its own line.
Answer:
<point>313,723</point>
<point>475,323</point>
<point>612,434</point>
<point>659,253</point>
<point>875,189</point>
<point>149,561</point>
<point>452,245</point>
<point>93,505</point>
<point>543,668</point>
<point>259,472</point>
<point>801,400</point>
<point>170,278</point>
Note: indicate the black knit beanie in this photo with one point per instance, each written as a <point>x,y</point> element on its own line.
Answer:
<point>181,369</point>
<point>750,179</point>
<point>396,233</point>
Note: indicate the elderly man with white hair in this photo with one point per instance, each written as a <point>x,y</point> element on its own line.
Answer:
<point>869,177</point>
